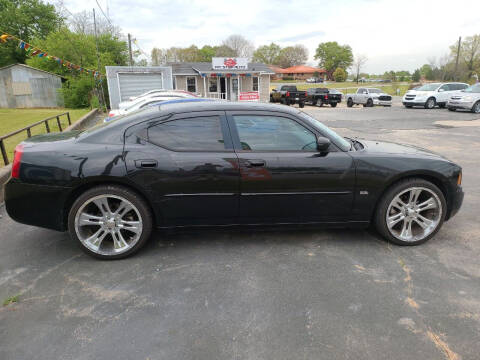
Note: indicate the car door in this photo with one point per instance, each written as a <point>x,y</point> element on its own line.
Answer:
<point>362,96</point>
<point>188,166</point>
<point>283,177</point>
<point>444,93</point>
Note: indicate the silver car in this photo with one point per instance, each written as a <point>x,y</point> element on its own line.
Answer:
<point>468,99</point>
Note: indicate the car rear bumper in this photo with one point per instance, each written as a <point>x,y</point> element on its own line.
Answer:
<point>465,105</point>
<point>456,202</point>
<point>36,205</point>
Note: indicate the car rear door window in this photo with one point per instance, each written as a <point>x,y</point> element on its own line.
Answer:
<point>273,133</point>
<point>201,134</point>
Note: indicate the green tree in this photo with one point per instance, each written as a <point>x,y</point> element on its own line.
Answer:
<point>292,55</point>
<point>26,19</point>
<point>340,75</point>
<point>469,54</point>
<point>267,54</point>
<point>416,75</point>
<point>427,71</point>
<point>331,55</point>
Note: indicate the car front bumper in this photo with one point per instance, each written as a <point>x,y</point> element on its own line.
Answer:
<point>456,201</point>
<point>466,105</point>
<point>382,102</point>
<point>414,102</point>
<point>37,205</point>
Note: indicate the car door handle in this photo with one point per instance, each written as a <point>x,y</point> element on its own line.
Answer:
<point>254,163</point>
<point>148,164</point>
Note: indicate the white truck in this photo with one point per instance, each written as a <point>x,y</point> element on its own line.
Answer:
<point>369,97</point>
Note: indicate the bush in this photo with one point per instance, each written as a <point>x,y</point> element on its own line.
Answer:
<point>76,92</point>
<point>94,102</point>
<point>340,75</point>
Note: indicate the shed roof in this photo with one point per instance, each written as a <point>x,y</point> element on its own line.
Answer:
<point>194,68</point>
<point>29,67</point>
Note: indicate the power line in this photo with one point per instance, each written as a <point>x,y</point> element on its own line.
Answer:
<point>106,17</point>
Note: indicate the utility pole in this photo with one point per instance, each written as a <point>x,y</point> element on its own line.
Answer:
<point>458,55</point>
<point>101,98</point>
<point>130,49</point>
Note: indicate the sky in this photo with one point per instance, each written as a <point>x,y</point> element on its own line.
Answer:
<point>393,34</point>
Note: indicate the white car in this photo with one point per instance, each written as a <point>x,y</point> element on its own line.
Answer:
<point>369,97</point>
<point>141,103</point>
<point>430,95</point>
<point>468,99</point>
<point>156,93</point>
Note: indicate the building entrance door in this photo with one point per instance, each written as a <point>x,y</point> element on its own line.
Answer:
<point>223,88</point>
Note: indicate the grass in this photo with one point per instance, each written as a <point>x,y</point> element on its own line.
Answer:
<point>351,87</point>
<point>11,300</point>
<point>15,119</point>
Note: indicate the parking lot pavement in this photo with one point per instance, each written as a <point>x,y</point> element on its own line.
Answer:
<point>272,294</point>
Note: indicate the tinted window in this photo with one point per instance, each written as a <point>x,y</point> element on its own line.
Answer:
<point>203,133</point>
<point>260,132</point>
<point>446,87</point>
<point>461,86</point>
<point>473,89</point>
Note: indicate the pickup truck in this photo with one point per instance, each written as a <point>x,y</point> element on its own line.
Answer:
<point>320,96</point>
<point>288,95</point>
<point>369,97</point>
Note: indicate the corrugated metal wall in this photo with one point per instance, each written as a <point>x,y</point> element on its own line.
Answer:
<point>126,81</point>
<point>23,87</point>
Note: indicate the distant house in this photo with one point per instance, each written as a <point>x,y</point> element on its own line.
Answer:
<point>22,86</point>
<point>298,72</point>
<point>224,78</point>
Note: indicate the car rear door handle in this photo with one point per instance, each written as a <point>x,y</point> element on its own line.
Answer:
<point>254,163</point>
<point>148,164</point>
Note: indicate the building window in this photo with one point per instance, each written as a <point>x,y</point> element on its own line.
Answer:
<point>255,83</point>
<point>192,84</point>
<point>213,85</point>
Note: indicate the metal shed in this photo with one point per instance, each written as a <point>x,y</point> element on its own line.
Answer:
<point>22,86</point>
<point>126,81</point>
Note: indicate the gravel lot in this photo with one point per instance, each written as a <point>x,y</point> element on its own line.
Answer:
<point>271,294</point>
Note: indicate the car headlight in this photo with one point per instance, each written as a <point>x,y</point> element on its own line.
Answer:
<point>467,98</point>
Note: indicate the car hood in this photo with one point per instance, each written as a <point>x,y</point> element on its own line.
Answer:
<point>418,93</point>
<point>383,147</point>
<point>379,94</point>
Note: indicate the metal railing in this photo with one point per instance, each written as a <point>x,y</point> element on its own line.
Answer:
<point>29,132</point>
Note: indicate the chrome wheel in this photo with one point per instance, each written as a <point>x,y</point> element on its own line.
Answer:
<point>430,103</point>
<point>108,224</point>
<point>413,214</point>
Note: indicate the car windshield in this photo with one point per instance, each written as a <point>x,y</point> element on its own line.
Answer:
<point>374,91</point>
<point>428,87</point>
<point>337,139</point>
<point>473,89</point>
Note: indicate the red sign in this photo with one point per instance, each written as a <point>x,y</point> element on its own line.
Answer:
<point>229,62</point>
<point>249,96</point>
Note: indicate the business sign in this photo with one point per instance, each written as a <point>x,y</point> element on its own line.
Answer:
<point>229,63</point>
<point>249,96</point>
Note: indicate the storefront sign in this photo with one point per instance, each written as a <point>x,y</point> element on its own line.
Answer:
<point>249,96</point>
<point>220,63</point>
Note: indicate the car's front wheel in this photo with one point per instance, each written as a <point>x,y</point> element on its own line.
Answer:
<point>350,102</point>
<point>110,222</point>
<point>430,104</point>
<point>411,212</point>
<point>476,108</point>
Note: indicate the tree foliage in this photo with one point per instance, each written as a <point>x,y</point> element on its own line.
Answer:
<point>331,55</point>
<point>240,46</point>
<point>267,54</point>
<point>292,55</point>
<point>26,19</point>
<point>340,74</point>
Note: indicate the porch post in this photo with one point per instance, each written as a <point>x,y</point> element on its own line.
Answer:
<point>204,87</point>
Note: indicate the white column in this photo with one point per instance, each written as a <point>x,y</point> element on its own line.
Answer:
<point>204,87</point>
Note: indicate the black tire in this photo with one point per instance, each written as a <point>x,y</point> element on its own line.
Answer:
<point>132,197</point>
<point>349,102</point>
<point>442,105</point>
<point>283,101</point>
<point>369,103</point>
<point>452,109</point>
<point>430,103</point>
<point>476,108</point>
<point>396,188</point>
<point>320,103</point>
<point>333,105</point>
<point>301,104</point>
<point>271,99</point>
<point>314,102</point>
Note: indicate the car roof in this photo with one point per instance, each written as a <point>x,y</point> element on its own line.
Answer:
<point>219,105</point>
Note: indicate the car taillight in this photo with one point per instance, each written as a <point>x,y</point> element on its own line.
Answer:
<point>110,114</point>
<point>288,93</point>
<point>17,157</point>
<point>326,97</point>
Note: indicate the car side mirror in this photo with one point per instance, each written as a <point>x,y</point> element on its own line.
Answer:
<point>441,90</point>
<point>323,144</point>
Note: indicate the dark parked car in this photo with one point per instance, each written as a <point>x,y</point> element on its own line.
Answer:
<point>224,163</point>
<point>321,96</point>
<point>288,95</point>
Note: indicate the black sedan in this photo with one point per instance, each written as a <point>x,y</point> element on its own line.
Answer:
<point>224,163</point>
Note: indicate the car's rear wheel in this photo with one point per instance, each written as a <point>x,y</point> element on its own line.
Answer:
<point>301,104</point>
<point>369,103</point>
<point>333,105</point>
<point>411,212</point>
<point>350,102</point>
<point>430,103</point>
<point>110,222</point>
<point>314,102</point>
<point>476,108</point>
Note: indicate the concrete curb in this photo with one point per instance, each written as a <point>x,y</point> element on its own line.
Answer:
<point>6,170</point>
